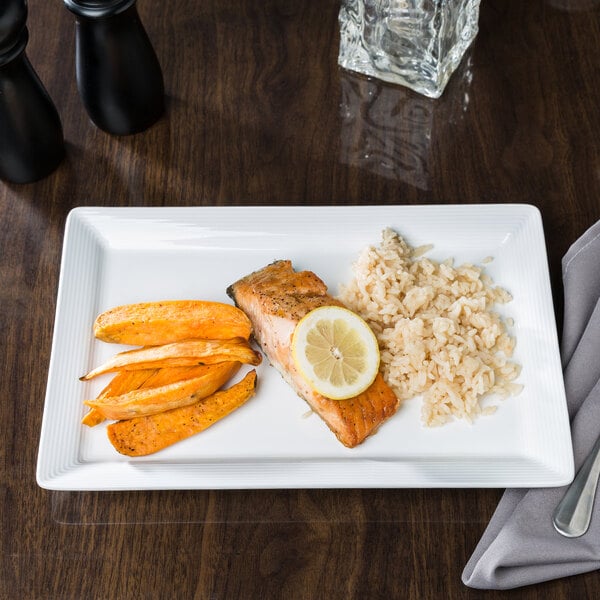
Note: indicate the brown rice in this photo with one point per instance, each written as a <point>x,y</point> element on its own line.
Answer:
<point>438,335</point>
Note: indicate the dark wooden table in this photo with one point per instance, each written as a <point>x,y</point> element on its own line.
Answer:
<point>260,114</point>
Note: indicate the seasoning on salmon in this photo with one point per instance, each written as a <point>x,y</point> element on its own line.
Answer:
<point>275,298</point>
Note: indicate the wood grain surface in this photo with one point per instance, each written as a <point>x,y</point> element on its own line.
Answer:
<point>258,113</point>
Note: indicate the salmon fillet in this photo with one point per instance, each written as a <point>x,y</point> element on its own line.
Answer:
<point>275,298</point>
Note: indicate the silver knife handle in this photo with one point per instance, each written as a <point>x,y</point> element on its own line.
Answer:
<point>574,512</point>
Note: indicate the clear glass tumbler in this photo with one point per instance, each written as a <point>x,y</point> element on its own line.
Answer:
<point>415,43</point>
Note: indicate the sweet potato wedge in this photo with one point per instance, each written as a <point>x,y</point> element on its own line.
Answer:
<point>120,384</point>
<point>127,381</point>
<point>167,375</point>
<point>156,323</point>
<point>151,400</point>
<point>180,354</point>
<point>92,418</point>
<point>145,435</point>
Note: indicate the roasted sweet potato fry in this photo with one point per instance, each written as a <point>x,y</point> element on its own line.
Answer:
<point>128,381</point>
<point>168,375</point>
<point>92,418</point>
<point>180,354</point>
<point>145,435</point>
<point>120,384</point>
<point>151,400</point>
<point>156,323</point>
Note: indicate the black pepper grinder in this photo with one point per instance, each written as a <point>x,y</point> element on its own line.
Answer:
<point>31,136</point>
<point>118,74</point>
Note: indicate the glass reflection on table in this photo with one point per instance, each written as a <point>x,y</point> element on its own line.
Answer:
<point>388,129</point>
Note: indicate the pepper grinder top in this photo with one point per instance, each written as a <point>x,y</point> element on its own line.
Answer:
<point>31,137</point>
<point>13,33</point>
<point>118,74</point>
<point>98,9</point>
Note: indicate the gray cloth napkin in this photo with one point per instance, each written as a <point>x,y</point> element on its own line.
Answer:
<point>520,545</point>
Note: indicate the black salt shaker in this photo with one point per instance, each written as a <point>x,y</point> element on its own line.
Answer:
<point>118,74</point>
<point>31,136</point>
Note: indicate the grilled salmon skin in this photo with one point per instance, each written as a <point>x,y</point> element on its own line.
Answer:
<point>275,298</point>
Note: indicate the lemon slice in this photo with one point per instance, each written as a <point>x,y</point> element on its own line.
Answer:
<point>336,352</point>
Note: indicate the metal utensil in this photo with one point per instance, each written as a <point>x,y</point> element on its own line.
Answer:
<point>574,512</point>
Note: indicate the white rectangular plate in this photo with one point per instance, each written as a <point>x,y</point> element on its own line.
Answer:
<point>115,256</point>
